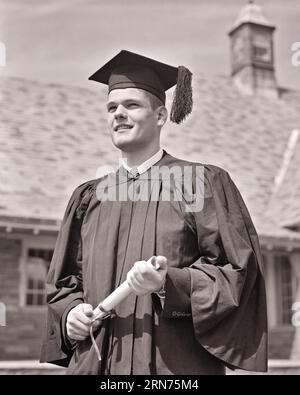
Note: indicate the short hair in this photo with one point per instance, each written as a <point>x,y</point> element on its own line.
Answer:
<point>154,101</point>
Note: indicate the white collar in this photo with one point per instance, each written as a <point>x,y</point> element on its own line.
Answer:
<point>145,165</point>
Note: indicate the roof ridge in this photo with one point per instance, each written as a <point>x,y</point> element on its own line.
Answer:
<point>283,90</point>
<point>46,84</point>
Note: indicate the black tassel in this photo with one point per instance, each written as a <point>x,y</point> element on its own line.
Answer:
<point>183,97</point>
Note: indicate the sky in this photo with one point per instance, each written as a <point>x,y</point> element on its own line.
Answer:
<point>65,41</point>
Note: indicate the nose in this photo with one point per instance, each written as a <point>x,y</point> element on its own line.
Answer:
<point>120,113</point>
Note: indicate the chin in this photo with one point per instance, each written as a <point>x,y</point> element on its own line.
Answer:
<point>124,145</point>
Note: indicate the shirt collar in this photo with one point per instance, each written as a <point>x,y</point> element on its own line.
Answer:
<point>145,165</point>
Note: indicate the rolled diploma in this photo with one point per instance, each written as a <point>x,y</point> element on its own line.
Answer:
<point>118,294</point>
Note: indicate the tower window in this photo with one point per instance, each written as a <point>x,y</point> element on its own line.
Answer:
<point>261,53</point>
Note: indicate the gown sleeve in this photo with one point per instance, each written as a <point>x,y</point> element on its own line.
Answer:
<point>223,290</point>
<point>64,281</point>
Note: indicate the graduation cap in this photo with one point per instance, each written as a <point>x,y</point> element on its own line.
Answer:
<point>130,70</point>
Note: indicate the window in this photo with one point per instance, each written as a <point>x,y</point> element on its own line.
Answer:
<point>262,53</point>
<point>37,265</point>
<point>285,288</point>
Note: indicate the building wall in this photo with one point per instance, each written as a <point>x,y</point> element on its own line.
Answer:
<point>21,337</point>
<point>281,340</point>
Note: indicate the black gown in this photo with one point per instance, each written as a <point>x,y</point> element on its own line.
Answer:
<point>214,313</point>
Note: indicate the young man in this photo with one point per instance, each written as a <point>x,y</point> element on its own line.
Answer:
<point>205,308</point>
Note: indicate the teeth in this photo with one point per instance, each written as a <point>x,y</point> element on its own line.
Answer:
<point>123,127</point>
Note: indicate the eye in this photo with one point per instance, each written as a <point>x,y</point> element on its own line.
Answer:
<point>132,105</point>
<point>111,108</point>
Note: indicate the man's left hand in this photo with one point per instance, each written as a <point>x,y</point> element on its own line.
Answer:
<point>143,278</point>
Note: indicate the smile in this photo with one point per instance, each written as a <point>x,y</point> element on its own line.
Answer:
<point>122,127</point>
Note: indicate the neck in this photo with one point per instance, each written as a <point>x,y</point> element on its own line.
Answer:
<point>138,157</point>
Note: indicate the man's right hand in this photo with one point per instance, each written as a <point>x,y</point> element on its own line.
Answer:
<point>79,320</point>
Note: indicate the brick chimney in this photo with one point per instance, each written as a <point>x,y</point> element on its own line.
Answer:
<point>252,52</point>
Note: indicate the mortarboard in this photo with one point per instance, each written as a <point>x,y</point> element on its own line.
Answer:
<point>130,70</point>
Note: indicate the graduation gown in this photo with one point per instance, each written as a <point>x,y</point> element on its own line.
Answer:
<point>214,313</point>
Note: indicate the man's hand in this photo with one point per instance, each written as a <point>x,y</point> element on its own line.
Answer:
<point>144,279</point>
<point>79,321</point>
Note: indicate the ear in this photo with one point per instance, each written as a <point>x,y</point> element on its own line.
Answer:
<point>162,115</point>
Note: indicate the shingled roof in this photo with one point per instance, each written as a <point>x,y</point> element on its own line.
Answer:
<point>54,137</point>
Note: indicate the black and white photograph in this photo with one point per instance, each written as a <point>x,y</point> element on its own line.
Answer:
<point>149,190</point>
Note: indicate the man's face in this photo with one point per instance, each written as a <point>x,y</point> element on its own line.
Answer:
<point>132,121</point>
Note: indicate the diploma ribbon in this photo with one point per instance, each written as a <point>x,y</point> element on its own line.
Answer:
<point>105,315</point>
